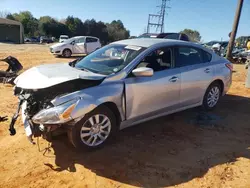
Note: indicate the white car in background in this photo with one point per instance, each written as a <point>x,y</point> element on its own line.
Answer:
<point>63,38</point>
<point>76,45</point>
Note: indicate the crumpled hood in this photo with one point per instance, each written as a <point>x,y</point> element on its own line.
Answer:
<point>44,76</point>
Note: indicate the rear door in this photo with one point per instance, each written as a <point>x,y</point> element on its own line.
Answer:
<point>92,44</point>
<point>196,73</point>
<point>79,46</point>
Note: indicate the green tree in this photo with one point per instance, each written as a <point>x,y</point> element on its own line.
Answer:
<point>97,29</point>
<point>74,25</point>
<point>10,16</point>
<point>192,34</point>
<point>30,24</point>
<point>71,26</point>
<point>117,31</point>
<point>51,27</point>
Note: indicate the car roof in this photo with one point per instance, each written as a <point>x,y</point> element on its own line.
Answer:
<point>84,36</point>
<point>148,42</point>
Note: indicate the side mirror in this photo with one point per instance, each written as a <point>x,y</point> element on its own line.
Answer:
<point>73,42</point>
<point>143,72</point>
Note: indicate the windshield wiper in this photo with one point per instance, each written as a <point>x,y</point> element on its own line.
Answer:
<point>84,69</point>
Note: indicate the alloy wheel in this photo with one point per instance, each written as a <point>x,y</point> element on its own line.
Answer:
<point>213,96</point>
<point>95,130</point>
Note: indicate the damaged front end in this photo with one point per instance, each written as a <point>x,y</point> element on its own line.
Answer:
<point>40,116</point>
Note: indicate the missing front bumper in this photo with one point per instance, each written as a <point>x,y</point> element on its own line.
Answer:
<point>14,118</point>
<point>29,130</point>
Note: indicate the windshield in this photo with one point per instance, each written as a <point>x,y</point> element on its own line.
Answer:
<point>109,59</point>
<point>64,37</point>
<point>69,40</point>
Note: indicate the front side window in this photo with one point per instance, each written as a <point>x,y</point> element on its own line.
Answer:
<point>186,56</point>
<point>158,60</point>
<point>81,40</point>
<point>109,59</point>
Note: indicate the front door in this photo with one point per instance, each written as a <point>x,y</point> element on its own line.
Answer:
<point>149,96</point>
<point>196,74</point>
<point>79,46</point>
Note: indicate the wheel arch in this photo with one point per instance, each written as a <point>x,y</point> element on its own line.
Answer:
<point>217,80</point>
<point>67,49</point>
<point>220,82</point>
<point>113,107</point>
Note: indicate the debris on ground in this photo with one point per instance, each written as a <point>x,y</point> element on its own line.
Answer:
<point>4,118</point>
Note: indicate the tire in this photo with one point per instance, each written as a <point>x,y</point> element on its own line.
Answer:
<point>67,53</point>
<point>212,96</point>
<point>87,134</point>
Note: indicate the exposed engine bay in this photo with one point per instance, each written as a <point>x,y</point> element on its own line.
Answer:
<point>34,101</point>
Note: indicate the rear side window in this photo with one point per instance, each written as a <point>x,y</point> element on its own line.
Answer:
<point>91,40</point>
<point>186,56</point>
<point>207,57</point>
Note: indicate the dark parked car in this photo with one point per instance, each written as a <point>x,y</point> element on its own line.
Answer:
<point>175,36</point>
<point>31,39</point>
<point>46,40</point>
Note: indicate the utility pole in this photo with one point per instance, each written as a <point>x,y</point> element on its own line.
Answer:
<point>160,17</point>
<point>234,30</point>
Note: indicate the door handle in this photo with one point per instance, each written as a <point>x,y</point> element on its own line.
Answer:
<point>173,79</point>
<point>207,70</point>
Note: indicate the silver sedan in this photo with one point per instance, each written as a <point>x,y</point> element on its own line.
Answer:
<point>120,85</point>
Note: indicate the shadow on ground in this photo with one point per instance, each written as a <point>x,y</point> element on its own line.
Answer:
<point>166,151</point>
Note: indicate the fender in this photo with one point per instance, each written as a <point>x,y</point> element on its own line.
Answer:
<point>91,98</point>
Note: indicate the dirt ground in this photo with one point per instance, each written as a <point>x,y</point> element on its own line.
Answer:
<point>175,150</point>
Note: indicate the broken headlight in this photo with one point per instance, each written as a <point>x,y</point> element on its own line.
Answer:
<point>55,115</point>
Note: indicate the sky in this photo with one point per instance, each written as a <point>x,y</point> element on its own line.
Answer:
<point>212,18</point>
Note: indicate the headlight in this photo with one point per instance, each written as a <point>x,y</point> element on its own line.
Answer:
<point>55,115</point>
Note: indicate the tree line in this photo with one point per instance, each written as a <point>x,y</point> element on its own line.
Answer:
<point>72,26</point>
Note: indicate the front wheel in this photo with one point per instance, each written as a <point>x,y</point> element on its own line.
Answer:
<point>212,96</point>
<point>67,53</point>
<point>94,130</point>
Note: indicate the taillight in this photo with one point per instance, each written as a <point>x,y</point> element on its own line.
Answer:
<point>229,66</point>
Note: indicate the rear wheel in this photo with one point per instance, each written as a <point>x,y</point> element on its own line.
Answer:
<point>94,130</point>
<point>212,96</point>
<point>67,53</point>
